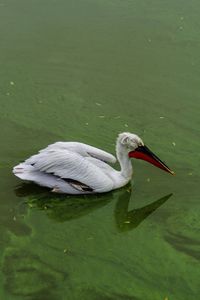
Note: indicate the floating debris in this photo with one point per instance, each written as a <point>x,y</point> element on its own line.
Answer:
<point>174,144</point>
<point>181,28</point>
<point>12,83</point>
<point>161,117</point>
<point>101,117</point>
<point>117,117</point>
<point>125,125</point>
<point>190,174</point>
<point>98,104</point>
<point>149,40</point>
<point>87,124</point>
<point>148,179</point>
<point>65,250</point>
<point>7,94</point>
<point>127,222</point>
<point>14,218</point>
<point>181,18</point>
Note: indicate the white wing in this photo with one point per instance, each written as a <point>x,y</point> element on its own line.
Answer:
<point>82,149</point>
<point>72,166</point>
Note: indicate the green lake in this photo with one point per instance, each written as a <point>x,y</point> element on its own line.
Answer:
<point>74,70</point>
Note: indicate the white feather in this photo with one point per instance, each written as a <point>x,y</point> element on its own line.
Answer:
<point>77,168</point>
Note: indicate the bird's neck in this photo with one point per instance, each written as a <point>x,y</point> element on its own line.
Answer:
<point>124,160</point>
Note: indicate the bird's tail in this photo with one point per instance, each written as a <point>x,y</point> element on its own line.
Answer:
<point>23,171</point>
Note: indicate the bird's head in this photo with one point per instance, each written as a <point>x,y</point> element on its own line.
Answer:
<point>135,147</point>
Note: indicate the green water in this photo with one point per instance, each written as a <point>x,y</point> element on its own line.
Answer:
<point>85,71</point>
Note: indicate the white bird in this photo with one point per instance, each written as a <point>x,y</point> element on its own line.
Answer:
<point>77,168</point>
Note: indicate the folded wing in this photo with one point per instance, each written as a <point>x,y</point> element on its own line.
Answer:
<point>83,150</point>
<point>71,166</point>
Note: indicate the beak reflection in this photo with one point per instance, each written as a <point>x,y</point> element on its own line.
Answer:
<point>128,220</point>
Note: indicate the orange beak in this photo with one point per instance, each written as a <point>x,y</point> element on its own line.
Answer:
<point>144,153</point>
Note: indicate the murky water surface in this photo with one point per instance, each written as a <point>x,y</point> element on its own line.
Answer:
<point>85,71</point>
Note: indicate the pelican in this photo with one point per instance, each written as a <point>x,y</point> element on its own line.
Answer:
<point>77,168</point>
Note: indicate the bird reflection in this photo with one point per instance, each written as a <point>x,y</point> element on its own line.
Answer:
<point>128,220</point>
<point>61,208</point>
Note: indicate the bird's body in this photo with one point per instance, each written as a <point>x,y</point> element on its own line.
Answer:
<point>71,167</point>
<point>77,168</point>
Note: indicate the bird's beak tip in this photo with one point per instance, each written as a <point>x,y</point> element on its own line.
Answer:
<point>144,153</point>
